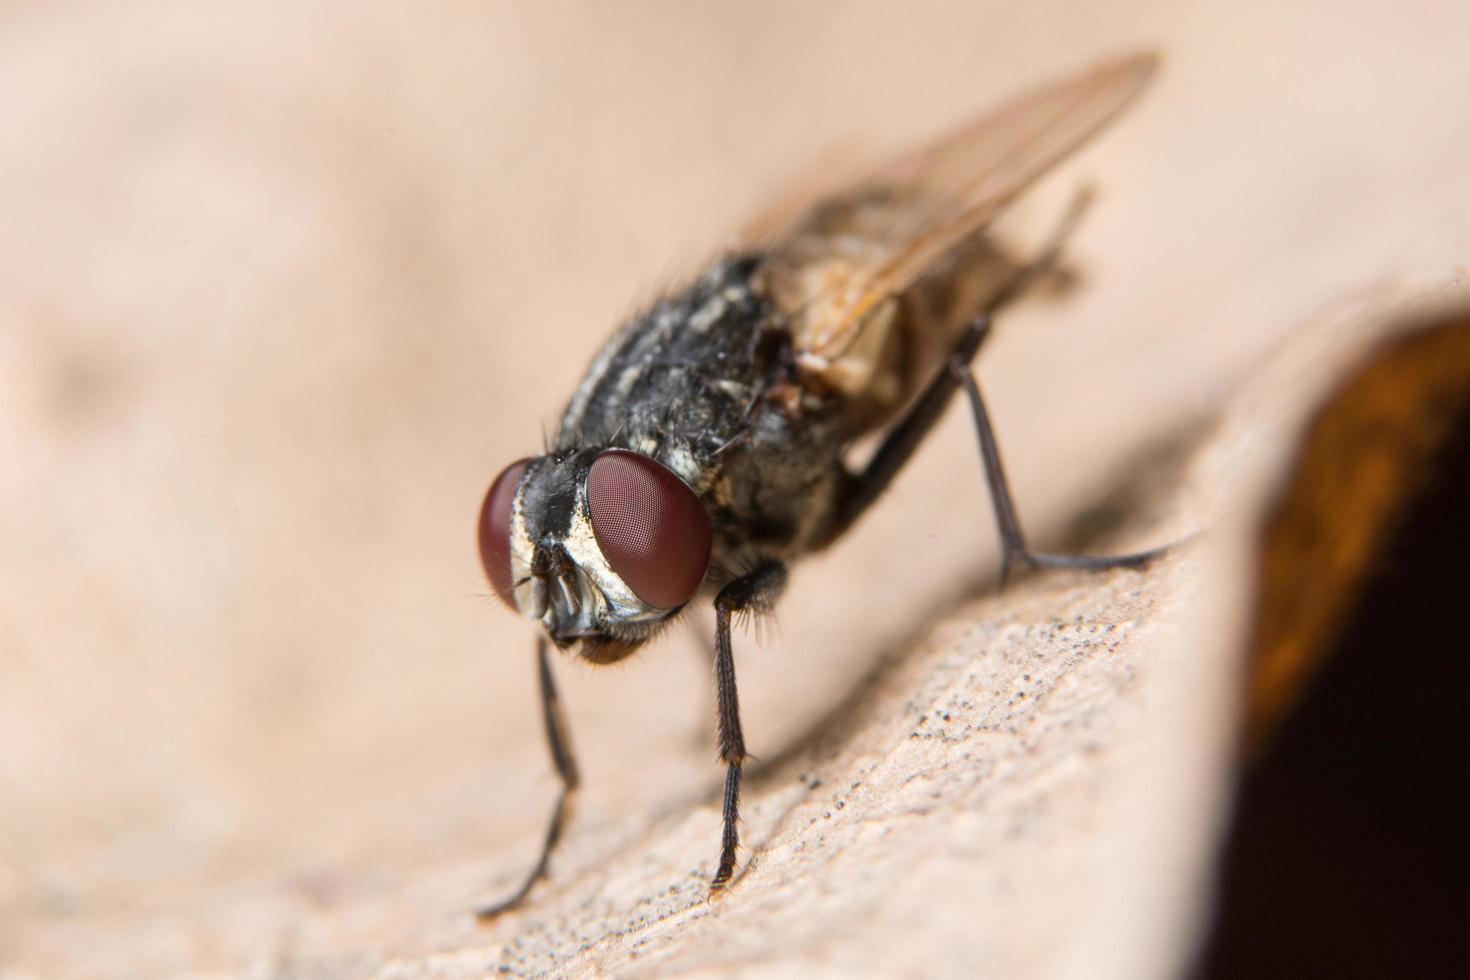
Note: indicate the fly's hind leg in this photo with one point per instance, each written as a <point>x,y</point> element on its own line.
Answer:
<point>558,741</point>
<point>1016,555</point>
<point>863,488</point>
<point>904,438</point>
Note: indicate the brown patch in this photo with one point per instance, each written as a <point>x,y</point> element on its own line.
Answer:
<point>787,396</point>
<point>1366,457</point>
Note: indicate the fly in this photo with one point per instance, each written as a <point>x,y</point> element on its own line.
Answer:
<point>707,446</point>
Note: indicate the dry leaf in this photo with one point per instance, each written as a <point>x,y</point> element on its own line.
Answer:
<point>280,289</point>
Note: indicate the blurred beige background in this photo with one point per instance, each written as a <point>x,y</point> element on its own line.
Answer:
<point>282,286</point>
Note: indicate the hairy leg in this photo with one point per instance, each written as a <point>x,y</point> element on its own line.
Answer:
<point>559,742</point>
<point>756,592</point>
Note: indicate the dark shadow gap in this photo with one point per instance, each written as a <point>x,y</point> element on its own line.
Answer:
<point>1348,851</point>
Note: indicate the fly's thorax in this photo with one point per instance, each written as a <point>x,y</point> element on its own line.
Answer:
<point>683,372</point>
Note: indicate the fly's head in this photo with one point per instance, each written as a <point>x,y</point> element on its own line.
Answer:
<point>602,547</point>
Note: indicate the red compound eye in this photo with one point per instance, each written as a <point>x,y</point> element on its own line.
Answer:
<point>495,529</point>
<point>650,526</point>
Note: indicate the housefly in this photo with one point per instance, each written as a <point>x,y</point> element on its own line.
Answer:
<point>707,447</point>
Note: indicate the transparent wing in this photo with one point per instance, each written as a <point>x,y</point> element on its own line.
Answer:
<point>842,256</point>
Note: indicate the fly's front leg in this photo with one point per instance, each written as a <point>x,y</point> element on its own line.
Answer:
<point>755,592</point>
<point>559,742</point>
